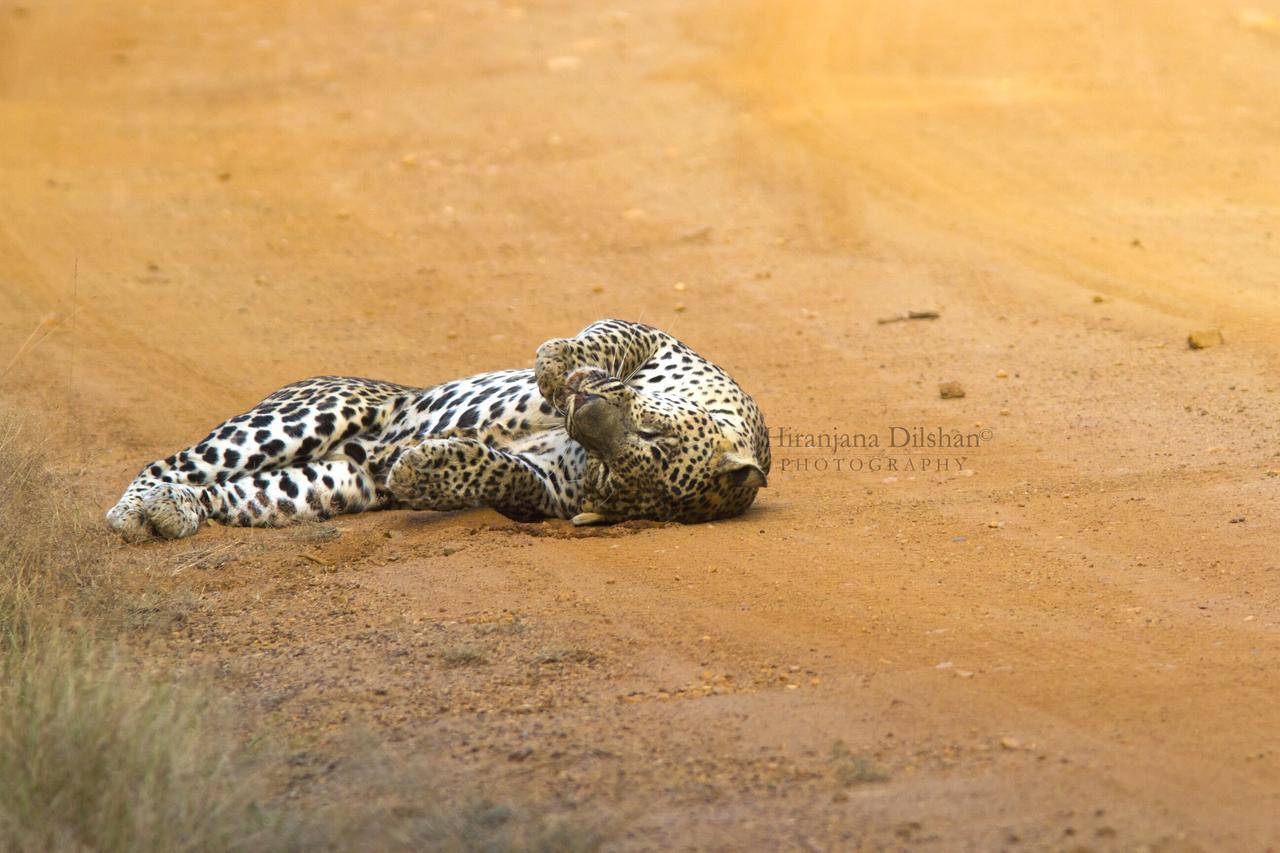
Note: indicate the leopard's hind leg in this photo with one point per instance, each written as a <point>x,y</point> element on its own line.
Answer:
<point>327,427</point>
<point>304,492</point>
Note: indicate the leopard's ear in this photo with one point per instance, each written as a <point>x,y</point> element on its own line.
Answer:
<point>743,471</point>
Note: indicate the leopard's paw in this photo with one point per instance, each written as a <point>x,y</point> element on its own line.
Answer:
<point>172,511</point>
<point>436,474</point>
<point>165,511</point>
<point>126,519</point>
<point>555,360</point>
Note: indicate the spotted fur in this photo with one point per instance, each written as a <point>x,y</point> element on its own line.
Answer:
<point>621,422</point>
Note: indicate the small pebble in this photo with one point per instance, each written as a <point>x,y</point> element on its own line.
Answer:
<point>1204,339</point>
<point>950,390</point>
<point>1000,374</point>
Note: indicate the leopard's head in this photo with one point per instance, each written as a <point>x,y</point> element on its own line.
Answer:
<point>654,456</point>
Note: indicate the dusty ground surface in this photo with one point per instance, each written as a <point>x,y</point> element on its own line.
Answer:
<point>1070,639</point>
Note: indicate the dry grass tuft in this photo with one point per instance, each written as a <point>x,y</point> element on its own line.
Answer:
<point>853,768</point>
<point>49,552</point>
<point>94,753</point>
<point>96,756</point>
<point>557,654</point>
<point>464,654</point>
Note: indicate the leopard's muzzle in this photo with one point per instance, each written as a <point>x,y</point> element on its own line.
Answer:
<point>596,424</point>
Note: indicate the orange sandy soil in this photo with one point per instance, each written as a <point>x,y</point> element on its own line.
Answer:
<point>1067,643</point>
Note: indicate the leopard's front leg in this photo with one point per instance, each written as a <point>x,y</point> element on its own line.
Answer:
<point>456,473</point>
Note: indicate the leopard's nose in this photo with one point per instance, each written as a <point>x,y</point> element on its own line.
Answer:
<point>582,398</point>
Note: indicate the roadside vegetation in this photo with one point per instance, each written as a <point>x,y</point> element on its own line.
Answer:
<point>101,748</point>
<point>95,753</point>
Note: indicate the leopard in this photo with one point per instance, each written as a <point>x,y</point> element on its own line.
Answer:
<point>622,422</point>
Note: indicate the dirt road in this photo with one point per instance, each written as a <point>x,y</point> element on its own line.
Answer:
<point>1062,635</point>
